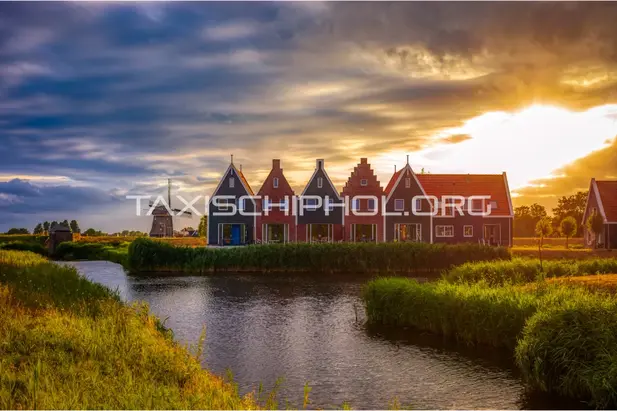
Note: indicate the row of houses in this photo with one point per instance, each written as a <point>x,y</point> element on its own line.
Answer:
<point>394,208</point>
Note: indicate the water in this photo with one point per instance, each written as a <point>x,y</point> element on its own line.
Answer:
<point>311,331</point>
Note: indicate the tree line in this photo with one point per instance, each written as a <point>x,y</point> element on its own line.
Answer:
<point>566,218</point>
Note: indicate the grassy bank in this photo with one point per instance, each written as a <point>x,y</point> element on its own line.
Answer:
<point>24,238</point>
<point>548,326</point>
<point>523,270</point>
<point>146,255</point>
<point>68,343</point>
<point>71,251</point>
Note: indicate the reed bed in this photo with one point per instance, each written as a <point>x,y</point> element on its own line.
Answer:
<point>70,251</point>
<point>145,255</point>
<point>68,343</point>
<point>523,270</point>
<point>564,338</point>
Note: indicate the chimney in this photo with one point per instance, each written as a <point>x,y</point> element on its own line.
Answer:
<point>319,164</point>
<point>363,161</point>
<point>395,169</point>
<point>407,158</point>
<point>276,164</point>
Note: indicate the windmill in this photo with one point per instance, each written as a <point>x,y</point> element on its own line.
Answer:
<point>163,222</point>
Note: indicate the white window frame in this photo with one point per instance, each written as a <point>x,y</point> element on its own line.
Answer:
<point>465,227</point>
<point>232,182</point>
<point>418,204</point>
<point>407,182</point>
<point>371,205</point>
<point>310,206</point>
<point>319,182</point>
<point>356,204</point>
<point>440,231</point>
<point>275,182</point>
<point>398,201</point>
<point>241,204</point>
<point>364,182</point>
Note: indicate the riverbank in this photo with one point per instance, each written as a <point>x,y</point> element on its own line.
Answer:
<point>564,338</point>
<point>69,343</point>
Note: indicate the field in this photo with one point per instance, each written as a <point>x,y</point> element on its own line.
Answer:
<point>575,242</point>
<point>68,343</point>
<point>564,337</point>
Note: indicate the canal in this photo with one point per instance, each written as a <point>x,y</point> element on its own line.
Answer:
<point>307,330</point>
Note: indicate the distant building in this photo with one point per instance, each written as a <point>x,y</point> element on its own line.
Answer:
<point>162,223</point>
<point>602,198</point>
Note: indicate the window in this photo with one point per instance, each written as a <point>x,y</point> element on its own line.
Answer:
<point>319,182</point>
<point>241,204</point>
<point>311,203</point>
<point>224,202</point>
<point>444,231</point>
<point>448,210</point>
<point>364,182</point>
<point>275,182</point>
<point>371,205</point>
<point>493,205</point>
<point>407,182</point>
<point>418,204</point>
<point>356,204</point>
<point>330,205</point>
<point>468,231</point>
<point>399,204</point>
<point>232,182</point>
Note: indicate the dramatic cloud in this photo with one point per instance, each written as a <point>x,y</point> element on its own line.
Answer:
<point>116,98</point>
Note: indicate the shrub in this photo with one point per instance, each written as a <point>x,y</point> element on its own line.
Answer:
<point>26,238</point>
<point>91,251</point>
<point>521,270</point>
<point>571,349</point>
<point>149,255</point>
<point>24,246</point>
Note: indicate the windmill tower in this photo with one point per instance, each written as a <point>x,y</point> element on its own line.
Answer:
<point>163,222</point>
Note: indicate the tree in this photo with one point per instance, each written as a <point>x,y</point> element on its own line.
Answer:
<point>74,226</point>
<point>53,224</point>
<point>46,227</point>
<point>203,226</point>
<point>595,224</point>
<point>38,229</point>
<point>568,228</point>
<point>526,218</point>
<point>18,231</point>
<point>66,224</point>
<point>571,206</point>
<point>544,228</point>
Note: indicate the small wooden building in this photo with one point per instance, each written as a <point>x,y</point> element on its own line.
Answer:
<point>58,234</point>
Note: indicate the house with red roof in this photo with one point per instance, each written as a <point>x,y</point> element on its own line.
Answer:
<point>364,220</point>
<point>602,198</point>
<point>231,212</point>
<point>421,207</point>
<point>275,222</point>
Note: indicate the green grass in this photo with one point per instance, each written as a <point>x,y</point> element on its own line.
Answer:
<point>522,270</point>
<point>70,251</point>
<point>26,238</point>
<point>66,343</point>
<point>146,255</point>
<point>564,338</point>
<point>24,246</point>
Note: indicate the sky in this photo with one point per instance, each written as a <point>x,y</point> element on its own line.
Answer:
<point>103,100</point>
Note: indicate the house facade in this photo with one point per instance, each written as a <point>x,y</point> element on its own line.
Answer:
<point>364,227</point>
<point>275,222</point>
<point>602,198</point>
<point>227,226</point>
<point>320,215</point>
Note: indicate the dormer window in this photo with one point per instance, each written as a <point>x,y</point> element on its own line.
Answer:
<point>364,182</point>
<point>232,182</point>
<point>407,182</point>
<point>275,182</point>
<point>319,182</point>
<point>493,205</point>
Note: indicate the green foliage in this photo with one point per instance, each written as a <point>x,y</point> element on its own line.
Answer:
<point>38,229</point>
<point>69,251</point>
<point>26,238</point>
<point>24,246</point>
<point>568,228</point>
<point>46,226</point>
<point>203,226</point>
<point>74,226</point>
<point>571,206</point>
<point>595,224</point>
<point>524,270</point>
<point>147,255</point>
<point>571,349</point>
<point>526,218</point>
<point>544,227</point>
<point>13,231</point>
<point>91,232</point>
<point>81,348</point>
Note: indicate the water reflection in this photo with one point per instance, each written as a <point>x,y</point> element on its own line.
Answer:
<point>305,330</point>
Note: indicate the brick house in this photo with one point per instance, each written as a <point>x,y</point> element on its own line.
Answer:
<point>233,228</point>
<point>602,198</point>
<point>279,225</point>
<point>320,222</point>
<point>448,226</point>
<point>363,182</point>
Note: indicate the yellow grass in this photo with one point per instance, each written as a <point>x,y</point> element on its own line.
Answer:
<point>184,241</point>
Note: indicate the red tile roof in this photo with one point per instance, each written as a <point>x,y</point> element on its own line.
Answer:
<point>246,183</point>
<point>608,197</point>
<point>392,181</point>
<point>467,185</point>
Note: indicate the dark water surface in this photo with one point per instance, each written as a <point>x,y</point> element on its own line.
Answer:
<point>305,330</point>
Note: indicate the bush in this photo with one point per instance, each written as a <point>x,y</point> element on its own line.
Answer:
<point>149,255</point>
<point>26,238</point>
<point>69,251</point>
<point>571,349</point>
<point>24,246</point>
<point>522,270</point>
